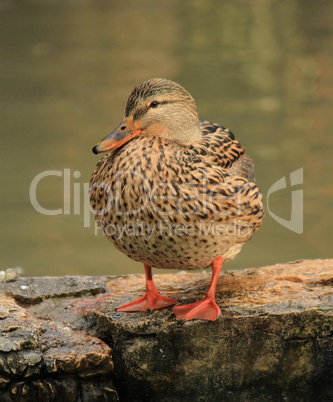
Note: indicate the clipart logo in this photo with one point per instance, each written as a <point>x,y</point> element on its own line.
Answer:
<point>74,191</point>
<point>295,223</point>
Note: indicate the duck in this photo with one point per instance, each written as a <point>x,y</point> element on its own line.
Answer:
<point>174,192</point>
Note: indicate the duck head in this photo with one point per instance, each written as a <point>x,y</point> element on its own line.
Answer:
<point>160,108</point>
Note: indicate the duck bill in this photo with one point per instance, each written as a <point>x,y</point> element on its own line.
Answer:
<point>122,134</point>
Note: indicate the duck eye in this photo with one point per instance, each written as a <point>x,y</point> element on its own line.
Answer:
<point>154,104</point>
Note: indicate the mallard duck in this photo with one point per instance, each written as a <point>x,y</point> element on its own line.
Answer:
<point>174,192</point>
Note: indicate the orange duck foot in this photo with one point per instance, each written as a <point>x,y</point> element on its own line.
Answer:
<point>205,309</point>
<point>148,302</point>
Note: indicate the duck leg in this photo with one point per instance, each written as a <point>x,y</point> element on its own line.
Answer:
<point>151,300</point>
<point>205,309</point>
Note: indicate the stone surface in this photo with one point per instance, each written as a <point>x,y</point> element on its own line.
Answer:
<point>60,338</point>
<point>45,361</point>
<point>34,290</point>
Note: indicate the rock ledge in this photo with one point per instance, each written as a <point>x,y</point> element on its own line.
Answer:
<point>61,338</point>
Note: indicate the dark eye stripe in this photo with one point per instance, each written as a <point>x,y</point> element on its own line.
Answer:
<point>141,112</point>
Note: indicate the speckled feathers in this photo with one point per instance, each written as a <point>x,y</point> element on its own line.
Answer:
<point>173,205</point>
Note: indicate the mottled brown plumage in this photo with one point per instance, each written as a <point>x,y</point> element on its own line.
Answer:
<point>174,192</point>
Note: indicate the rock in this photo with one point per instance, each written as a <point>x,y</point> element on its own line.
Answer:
<point>62,339</point>
<point>34,290</point>
<point>11,274</point>
<point>42,361</point>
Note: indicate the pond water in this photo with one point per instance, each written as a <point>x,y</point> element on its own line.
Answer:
<point>262,68</point>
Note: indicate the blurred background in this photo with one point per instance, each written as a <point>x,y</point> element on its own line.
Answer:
<point>264,69</point>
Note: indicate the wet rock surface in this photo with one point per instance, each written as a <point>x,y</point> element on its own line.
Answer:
<point>61,339</point>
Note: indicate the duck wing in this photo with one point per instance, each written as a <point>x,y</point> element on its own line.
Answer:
<point>225,161</point>
<point>220,148</point>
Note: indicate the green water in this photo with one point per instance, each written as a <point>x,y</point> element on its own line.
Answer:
<point>262,68</point>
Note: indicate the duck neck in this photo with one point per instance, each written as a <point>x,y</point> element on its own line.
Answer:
<point>185,134</point>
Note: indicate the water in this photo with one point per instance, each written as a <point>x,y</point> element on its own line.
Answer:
<point>263,69</point>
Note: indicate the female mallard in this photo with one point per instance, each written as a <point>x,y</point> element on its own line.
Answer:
<point>174,192</point>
